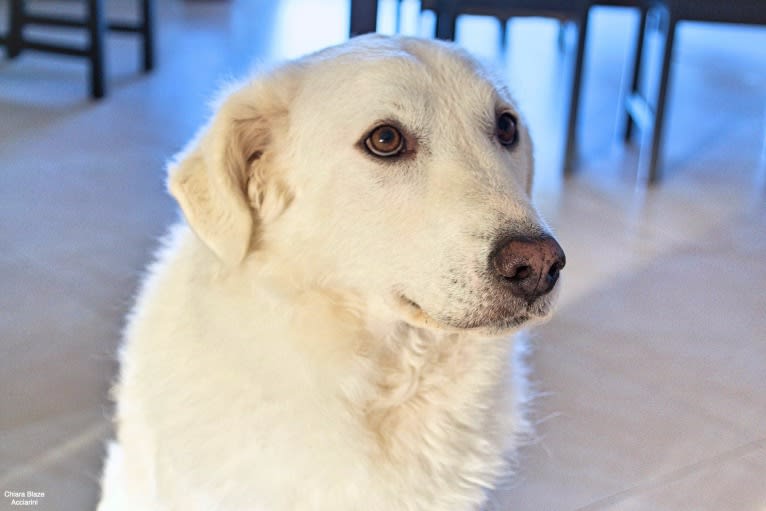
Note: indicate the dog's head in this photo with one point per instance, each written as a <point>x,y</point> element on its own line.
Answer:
<point>395,168</point>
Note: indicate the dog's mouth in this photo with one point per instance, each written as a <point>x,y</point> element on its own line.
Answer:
<point>503,324</point>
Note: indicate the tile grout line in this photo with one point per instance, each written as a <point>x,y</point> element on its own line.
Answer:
<point>55,453</point>
<point>674,475</point>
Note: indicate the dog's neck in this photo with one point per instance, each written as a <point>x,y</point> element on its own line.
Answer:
<point>444,379</point>
<point>405,365</point>
<point>429,409</point>
<point>436,395</point>
<point>413,389</point>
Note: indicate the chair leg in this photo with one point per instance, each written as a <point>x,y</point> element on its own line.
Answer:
<point>503,32</point>
<point>15,34</point>
<point>635,83</point>
<point>363,17</point>
<point>561,38</point>
<point>570,152</point>
<point>446,20</point>
<point>659,116</point>
<point>96,26</point>
<point>147,33</point>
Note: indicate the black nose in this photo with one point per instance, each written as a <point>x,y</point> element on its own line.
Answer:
<point>530,266</point>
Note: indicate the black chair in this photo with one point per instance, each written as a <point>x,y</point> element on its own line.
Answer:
<point>364,12</point>
<point>96,27</point>
<point>672,12</point>
<point>573,10</point>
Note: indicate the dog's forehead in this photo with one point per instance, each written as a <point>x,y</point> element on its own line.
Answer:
<point>405,74</point>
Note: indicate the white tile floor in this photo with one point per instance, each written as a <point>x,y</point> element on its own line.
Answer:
<point>653,374</point>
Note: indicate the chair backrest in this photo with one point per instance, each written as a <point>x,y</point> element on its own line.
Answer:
<point>511,8</point>
<point>725,11</point>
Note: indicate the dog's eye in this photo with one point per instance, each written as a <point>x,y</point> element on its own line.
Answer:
<point>385,141</point>
<point>506,129</point>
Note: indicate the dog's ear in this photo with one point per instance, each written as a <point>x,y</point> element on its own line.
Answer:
<point>219,177</point>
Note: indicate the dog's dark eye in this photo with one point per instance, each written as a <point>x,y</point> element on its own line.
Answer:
<point>385,141</point>
<point>506,129</point>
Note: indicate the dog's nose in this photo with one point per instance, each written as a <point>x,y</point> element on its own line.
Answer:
<point>530,266</point>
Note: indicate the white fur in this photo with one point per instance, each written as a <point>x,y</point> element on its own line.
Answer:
<point>322,334</point>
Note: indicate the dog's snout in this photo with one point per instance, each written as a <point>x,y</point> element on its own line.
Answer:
<point>530,266</point>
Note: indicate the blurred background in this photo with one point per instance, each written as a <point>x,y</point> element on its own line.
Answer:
<point>651,377</point>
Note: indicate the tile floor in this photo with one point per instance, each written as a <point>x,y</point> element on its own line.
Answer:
<point>652,375</point>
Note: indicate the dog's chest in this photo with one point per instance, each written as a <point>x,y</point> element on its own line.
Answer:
<point>415,423</point>
<point>439,415</point>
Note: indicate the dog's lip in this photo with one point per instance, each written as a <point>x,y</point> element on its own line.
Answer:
<point>418,316</point>
<point>405,300</point>
<point>415,313</point>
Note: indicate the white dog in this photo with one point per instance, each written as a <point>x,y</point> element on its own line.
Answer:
<point>329,329</point>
